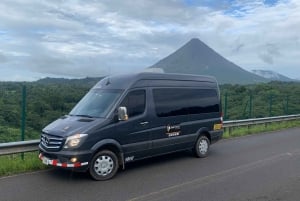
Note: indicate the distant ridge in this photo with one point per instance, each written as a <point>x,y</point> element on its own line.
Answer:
<point>195,57</point>
<point>89,81</point>
<point>273,76</point>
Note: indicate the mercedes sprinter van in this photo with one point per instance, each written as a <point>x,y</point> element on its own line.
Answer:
<point>125,118</point>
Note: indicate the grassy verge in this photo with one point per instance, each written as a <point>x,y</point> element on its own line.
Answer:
<point>244,130</point>
<point>13,164</point>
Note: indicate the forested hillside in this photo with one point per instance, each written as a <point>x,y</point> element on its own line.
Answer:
<point>46,101</point>
<point>49,99</point>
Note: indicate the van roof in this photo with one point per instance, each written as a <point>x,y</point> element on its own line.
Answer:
<point>124,81</point>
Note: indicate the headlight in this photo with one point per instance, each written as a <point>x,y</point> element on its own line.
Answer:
<point>74,140</point>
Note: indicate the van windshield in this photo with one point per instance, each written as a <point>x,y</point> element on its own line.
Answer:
<point>96,103</point>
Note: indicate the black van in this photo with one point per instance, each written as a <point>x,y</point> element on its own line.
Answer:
<point>124,118</point>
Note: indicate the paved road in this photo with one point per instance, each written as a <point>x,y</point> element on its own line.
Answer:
<point>263,167</point>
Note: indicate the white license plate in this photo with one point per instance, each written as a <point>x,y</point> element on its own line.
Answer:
<point>45,161</point>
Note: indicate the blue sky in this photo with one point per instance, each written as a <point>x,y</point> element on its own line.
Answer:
<point>95,38</point>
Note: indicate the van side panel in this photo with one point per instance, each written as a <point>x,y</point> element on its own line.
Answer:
<point>179,113</point>
<point>170,134</point>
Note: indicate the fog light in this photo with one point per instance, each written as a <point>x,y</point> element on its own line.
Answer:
<point>73,160</point>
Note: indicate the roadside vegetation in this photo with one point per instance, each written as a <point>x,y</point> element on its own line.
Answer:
<point>15,164</point>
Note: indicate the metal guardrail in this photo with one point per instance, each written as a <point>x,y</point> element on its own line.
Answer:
<point>32,145</point>
<point>248,122</point>
<point>18,147</point>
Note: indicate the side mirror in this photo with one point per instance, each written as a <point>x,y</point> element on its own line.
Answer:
<point>122,114</point>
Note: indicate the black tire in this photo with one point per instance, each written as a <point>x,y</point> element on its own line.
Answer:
<point>202,147</point>
<point>104,165</point>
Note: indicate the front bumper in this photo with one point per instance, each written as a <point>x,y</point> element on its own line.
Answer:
<point>56,162</point>
<point>63,159</point>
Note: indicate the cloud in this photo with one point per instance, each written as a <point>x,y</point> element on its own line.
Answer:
<point>3,58</point>
<point>87,38</point>
<point>269,53</point>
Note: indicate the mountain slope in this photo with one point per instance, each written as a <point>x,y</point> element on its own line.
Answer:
<point>195,57</point>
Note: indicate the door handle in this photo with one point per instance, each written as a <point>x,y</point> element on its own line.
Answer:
<point>144,123</point>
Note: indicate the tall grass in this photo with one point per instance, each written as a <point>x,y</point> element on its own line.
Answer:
<point>13,164</point>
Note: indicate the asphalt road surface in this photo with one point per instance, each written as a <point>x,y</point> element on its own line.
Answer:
<point>264,167</point>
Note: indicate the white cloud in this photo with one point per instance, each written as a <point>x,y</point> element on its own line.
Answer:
<point>92,38</point>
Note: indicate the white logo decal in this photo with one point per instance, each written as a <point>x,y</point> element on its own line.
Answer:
<point>173,130</point>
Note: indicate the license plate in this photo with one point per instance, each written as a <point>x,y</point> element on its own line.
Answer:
<point>217,126</point>
<point>45,161</point>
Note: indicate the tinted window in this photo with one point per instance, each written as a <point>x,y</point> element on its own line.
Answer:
<point>173,102</point>
<point>135,102</point>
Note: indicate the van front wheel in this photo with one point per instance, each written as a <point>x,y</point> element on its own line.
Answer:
<point>202,147</point>
<point>104,165</point>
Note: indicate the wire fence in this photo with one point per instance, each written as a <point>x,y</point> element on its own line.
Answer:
<point>25,108</point>
<point>252,106</point>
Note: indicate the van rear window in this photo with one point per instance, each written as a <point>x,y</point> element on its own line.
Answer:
<point>182,101</point>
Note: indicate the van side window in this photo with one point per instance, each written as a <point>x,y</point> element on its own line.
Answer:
<point>180,101</point>
<point>135,102</point>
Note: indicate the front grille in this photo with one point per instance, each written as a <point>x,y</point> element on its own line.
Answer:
<point>50,142</point>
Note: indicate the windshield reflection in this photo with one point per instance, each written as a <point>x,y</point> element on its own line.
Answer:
<point>96,103</point>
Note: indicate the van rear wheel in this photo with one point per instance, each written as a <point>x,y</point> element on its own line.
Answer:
<point>104,165</point>
<point>202,147</point>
